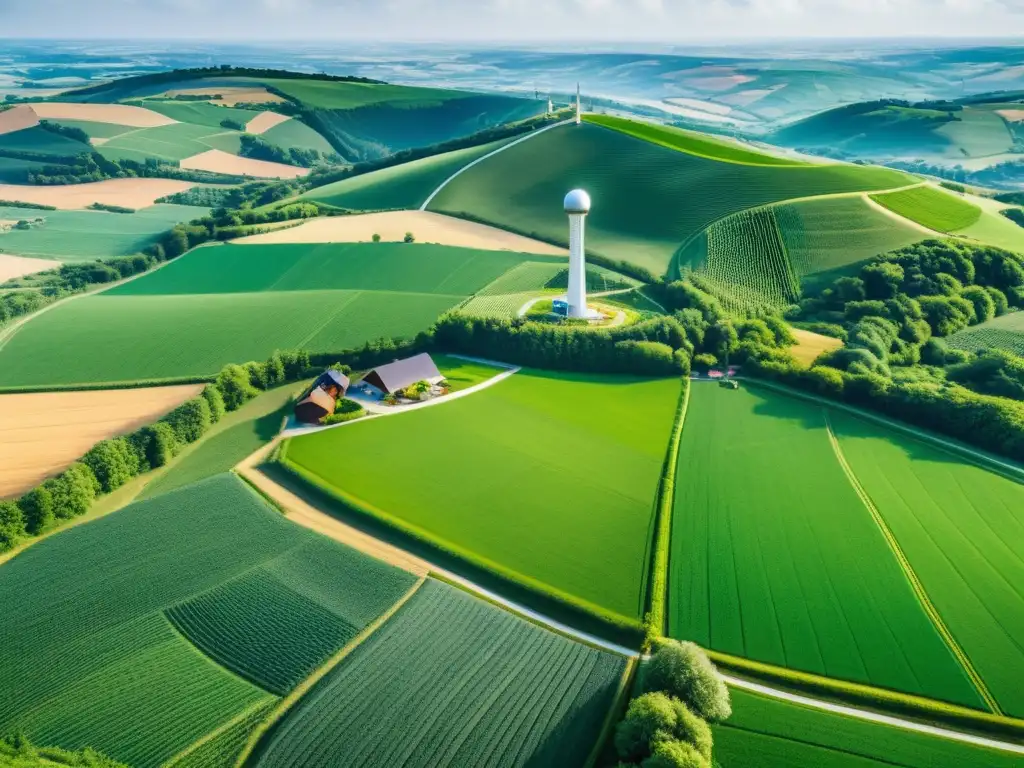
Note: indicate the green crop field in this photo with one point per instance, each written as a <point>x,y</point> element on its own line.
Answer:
<point>528,276</point>
<point>648,199</point>
<point>775,734</point>
<point>977,133</point>
<point>1006,332</point>
<point>823,237</point>
<point>550,459</point>
<point>326,94</point>
<point>502,305</point>
<point>961,529</point>
<point>931,207</point>
<point>759,571</point>
<point>394,267</point>
<point>199,112</point>
<point>295,133</point>
<point>89,657</point>
<point>96,130</point>
<point>234,303</point>
<point>451,681</point>
<point>402,186</point>
<point>693,143</point>
<point>237,435</point>
<point>463,374</point>
<point>743,259</point>
<point>170,143</point>
<point>226,747</point>
<point>994,229</point>
<point>42,141</point>
<point>87,235</point>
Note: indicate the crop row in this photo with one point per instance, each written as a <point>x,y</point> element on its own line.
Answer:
<point>528,276</point>
<point>451,680</point>
<point>1005,332</point>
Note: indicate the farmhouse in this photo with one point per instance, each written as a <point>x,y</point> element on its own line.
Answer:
<point>322,397</point>
<point>400,374</point>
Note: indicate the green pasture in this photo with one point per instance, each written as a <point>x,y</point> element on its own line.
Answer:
<point>463,374</point>
<point>397,267</point>
<point>170,143</point>
<point>111,339</point>
<point>452,681</point>
<point>770,733</point>
<point>824,237</point>
<point>961,529</point>
<point>42,141</point>
<point>96,130</point>
<point>992,228</point>
<point>931,207</point>
<point>776,559</point>
<point>236,436</point>
<point>553,485</point>
<point>88,235</point>
<point>295,133</point>
<point>691,142</point>
<point>404,186</point>
<point>1006,332</point>
<point>647,199</point>
<point>326,94</point>
<point>15,171</point>
<point>91,658</point>
<point>199,112</point>
<point>976,133</point>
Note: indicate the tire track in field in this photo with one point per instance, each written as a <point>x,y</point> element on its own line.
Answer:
<point>908,571</point>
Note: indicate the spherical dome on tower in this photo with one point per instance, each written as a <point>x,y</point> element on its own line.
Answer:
<point>577,201</point>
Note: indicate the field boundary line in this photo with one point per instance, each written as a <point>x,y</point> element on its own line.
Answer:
<point>979,459</point>
<point>618,704</point>
<point>207,738</point>
<point>502,148</point>
<point>874,717</point>
<point>663,515</point>
<point>908,571</point>
<point>293,698</point>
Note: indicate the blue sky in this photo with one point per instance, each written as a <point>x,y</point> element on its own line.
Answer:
<point>518,20</point>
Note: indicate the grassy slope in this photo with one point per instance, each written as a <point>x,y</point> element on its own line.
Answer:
<point>14,171</point>
<point>200,112</point>
<point>691,142</point>
<point>40,140</point>
<point>1006,332</point>
<point>648,199</point>
<point>90,622</point>
<point>960,527</point>
<point>759,571</point>
<point>451,680</point>
<point>87,235</point>
<point>825,236</point>
<point>931,207</point>
<point>170,143</point>
<point>491,474</point>
<point>324,94</point>
<point>463,374</point>
<point>775,734</point>
<point>97,130</point>
<point>243,302</point>
<point>400,186</point>
<point>295,133</point>
<point>238,435</point>
<point>994,229</point>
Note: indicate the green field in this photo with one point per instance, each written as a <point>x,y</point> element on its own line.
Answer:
<point>170,143</point>
<point>549,459</point>
<point>994,229</point>
<point>234,303</point>
<point>961,529</point>
<point>90,658</point>
<point>774,734</point>
<point>931,207</point>
<point>402,186</point>
<point>87,235</point>
<point>463,374</point>
<point>452,681</point>
<point>1006,332</point>
<point>226,747</point>
<point>743,259</point>
<point>96,130</point>
<point>326,94</point>
<point>393,267</point>
<point>236,436</point>
<point>759,571</point>
<point>199,112</point>
<point>648,199</point>
<point>690,142</point>
<point>295,133</point>
<point>42,141</point>
<point>823,237</point>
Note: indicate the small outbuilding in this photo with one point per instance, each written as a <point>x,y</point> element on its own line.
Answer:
<point>322,397</point>
<point>400,374</point>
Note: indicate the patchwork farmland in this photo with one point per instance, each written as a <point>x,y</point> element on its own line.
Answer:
<point>765,577</point>
<point>518,526</point>
<point>233,303</point>
<point>1006,333</point>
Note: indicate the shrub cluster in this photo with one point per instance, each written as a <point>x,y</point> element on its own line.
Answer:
<point>18,751</point>
<point>113,462</point>
<point>667,725</point>
<point>260,149</point>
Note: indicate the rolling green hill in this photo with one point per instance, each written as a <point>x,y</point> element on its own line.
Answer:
<point>931,207</point>
<point>41,141</point>
<point>648,199</point>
